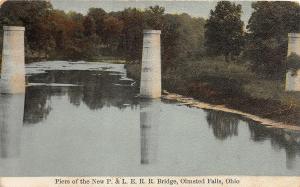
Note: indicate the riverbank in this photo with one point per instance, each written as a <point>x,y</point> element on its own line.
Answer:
<point>197,104</point>
<point>231,85</point>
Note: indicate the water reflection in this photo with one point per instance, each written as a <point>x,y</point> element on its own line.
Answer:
<point>37,106</point>
<point>149,124</point>
<point>11,120</point>
<point>99,118</point>
<point>280,139</point>
<point>224,125</point>
<point>96,89</point>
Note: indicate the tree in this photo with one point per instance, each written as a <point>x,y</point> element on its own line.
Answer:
<point>182,38</point>
<point>98,15</point>
<point>61,35</point>
<point>154,17</point>
<point>89,26</point>
<point>34,15</point>
<point>74,16</point>
<point>224,30</point>
<point>112,31</point>
<point>131,41</point>
<point>267,41</point>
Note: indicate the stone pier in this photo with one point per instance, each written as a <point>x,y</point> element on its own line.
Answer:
<point>151,65</point>
<point>292,74</point>
<point>294,43</point>
<point>13,61</point>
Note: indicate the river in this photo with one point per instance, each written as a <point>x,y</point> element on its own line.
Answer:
<point>85,119</point>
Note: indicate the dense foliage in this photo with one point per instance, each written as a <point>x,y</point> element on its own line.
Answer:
<point>267,40</point>
<point>54,33</point>
<point>224,30</point>
<point>293,62</point>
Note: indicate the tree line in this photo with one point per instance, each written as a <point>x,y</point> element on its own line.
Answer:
<point>263,43</point>
<point>55,34</point>
<point>52,33</point>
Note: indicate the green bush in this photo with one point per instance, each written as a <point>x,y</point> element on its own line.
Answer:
<point>293,61</point>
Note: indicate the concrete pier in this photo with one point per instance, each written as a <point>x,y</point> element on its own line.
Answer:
<point>149,124</point>
<point>294,43</point>
<point>13,61</point>
<point>151,65</point>
<point>292,81</point>
<point>293,76</point>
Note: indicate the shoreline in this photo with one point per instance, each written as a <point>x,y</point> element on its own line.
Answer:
<point>196,103</point>
<point>188,101</point>
<point>261,100</point>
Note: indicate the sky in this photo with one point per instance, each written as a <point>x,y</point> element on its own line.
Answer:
<point>193,8</point>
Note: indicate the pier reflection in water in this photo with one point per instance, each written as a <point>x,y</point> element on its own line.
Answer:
<point>11,121</point>
<point>90,123</point>
<point>149,122</point>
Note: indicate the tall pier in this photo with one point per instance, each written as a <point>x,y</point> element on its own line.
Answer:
<point>13,61</point>
<point>294,43</point>
<point>293,75</point>
<point>151,65</point>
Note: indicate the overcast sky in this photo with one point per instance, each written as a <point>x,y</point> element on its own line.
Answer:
<point>193,8</point>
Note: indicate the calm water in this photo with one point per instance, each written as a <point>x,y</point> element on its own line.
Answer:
<point>91,123</point>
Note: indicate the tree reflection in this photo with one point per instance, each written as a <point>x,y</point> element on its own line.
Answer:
<point>96,89</point>
<point>37,106</point>
<point>224,125</point>
<point>280,139</point>
<point>75,95</point>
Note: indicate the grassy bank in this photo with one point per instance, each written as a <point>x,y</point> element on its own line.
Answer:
<point>230,84</point>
